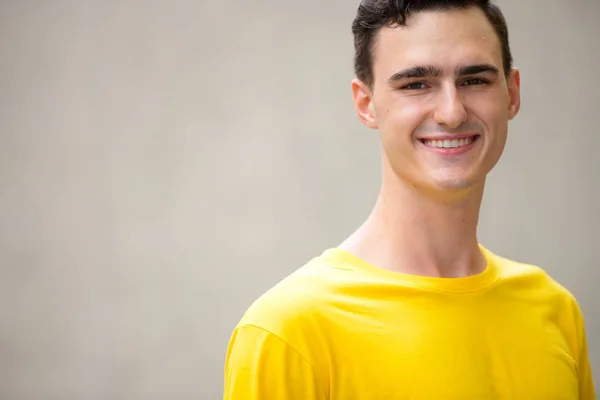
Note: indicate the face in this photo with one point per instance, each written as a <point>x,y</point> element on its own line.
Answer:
<point>440,99</point>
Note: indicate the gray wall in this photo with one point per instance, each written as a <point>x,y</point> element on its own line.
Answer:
<point>164,163</point>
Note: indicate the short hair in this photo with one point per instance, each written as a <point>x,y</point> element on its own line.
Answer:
<point>372,15</point>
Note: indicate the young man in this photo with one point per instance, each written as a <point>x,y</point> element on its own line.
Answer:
<point>411,306</point>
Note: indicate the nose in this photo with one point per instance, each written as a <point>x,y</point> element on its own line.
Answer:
<point>450,110</point>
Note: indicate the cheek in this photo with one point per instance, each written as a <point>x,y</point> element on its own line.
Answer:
<point>492,111</point>
<point>497,121</point>
<point>497,105</point>
<point>495,117</point>
<point>400,118</point>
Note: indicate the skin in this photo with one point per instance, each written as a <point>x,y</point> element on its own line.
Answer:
<point>425,219</point>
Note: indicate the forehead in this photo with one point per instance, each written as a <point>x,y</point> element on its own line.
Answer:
<point>445,38</point>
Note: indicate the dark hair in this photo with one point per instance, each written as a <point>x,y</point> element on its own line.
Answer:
<point>374,14</point>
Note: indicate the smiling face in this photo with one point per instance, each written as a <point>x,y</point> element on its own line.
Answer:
<point>440,99</point>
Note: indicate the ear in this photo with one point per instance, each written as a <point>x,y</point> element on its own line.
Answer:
<point>363,104</point>
<point>514,93</point>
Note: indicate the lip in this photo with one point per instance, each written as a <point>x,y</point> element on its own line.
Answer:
<point>450,136</point>
<point>453,151</point>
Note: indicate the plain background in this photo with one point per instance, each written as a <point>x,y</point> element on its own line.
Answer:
<point>163,163</point>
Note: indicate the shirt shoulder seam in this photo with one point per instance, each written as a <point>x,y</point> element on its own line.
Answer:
<point>288,345</point>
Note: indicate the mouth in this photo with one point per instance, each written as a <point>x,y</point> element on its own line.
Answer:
<point>458,143</point>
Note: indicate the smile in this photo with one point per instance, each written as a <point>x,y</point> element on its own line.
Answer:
<point>449,144</point>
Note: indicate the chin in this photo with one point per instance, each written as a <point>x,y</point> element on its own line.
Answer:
<point>454,186</point>
<point>455,182</point>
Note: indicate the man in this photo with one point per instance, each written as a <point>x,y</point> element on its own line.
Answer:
<point>411,306</point>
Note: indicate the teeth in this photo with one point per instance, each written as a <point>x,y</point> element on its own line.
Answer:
<point>449,144</point>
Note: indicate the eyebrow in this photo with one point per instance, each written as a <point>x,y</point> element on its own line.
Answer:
<point>433,71</point>
<point>477,69</point>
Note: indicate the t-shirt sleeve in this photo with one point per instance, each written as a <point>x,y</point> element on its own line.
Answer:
<point>262,366</point>
<point>586,381</point>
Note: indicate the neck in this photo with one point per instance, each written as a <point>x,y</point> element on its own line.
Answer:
<point>421,233</point>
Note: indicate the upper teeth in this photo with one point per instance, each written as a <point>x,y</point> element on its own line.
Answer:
<point>449,144</point>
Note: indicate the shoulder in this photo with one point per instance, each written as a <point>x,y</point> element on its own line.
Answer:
<point>530,276</point>
<point>287,325</point>
<point>533,284</point>
<point>292,305</point>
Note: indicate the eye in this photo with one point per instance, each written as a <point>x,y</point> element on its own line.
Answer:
<point>474,81</point>
<point>414,86</point>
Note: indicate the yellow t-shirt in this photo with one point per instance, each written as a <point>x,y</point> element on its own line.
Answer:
<point>341,329</point>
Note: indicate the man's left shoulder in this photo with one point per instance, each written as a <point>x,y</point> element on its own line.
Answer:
<point>532,277</point>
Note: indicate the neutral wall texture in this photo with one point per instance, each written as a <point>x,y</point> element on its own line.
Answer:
<point>163,163</point>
